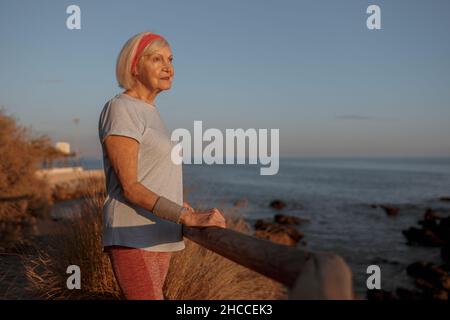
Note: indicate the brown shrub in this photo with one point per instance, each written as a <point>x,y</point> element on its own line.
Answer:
<point>22,195</point>
<point>77,189</point>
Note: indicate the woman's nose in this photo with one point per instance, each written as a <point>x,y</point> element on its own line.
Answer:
<point>167,65</point>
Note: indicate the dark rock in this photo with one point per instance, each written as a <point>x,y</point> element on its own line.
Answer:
<point>444,198</point>
<point>435,230</point>
<point>390,211</point>
<point>261,224</point>
<point>429,291</point>
<point>293,233</point>
<point>413,235</point>
<point>429,224</point>
<point>445,282</point>
<point>431,239</point>
<point>373,206</point>
<point>285,219</point>
<point>428,276</point>
<point>424,237</point>
<point>445,222</point>
<point>278,233</point>
<point>443,229</point>
<point>430,220</point>
<point>278,204</point>
<point>424,285</point>
<point>431,215</point>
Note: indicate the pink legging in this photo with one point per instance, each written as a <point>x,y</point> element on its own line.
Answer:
<point>139,273</point>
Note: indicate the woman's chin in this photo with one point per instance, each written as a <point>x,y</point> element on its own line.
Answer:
<point>166,86</point>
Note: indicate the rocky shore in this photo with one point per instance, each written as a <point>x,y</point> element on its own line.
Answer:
<point>432,280</point>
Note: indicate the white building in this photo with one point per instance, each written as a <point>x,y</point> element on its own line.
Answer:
<point>64,147</point>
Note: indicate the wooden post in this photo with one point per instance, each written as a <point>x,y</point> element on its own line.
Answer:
<point>308,275</point>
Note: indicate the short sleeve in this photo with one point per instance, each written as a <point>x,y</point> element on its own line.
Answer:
<point>122,119</point>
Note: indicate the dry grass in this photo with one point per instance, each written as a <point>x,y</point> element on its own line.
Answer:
<point>195,272</point>
<point>78,242</point>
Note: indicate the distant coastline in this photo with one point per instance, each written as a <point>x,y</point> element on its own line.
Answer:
<point>97,163</point>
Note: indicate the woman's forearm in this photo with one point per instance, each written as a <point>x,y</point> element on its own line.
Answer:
<point>138,194</point>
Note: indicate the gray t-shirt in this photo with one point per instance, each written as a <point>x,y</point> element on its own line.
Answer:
<point>124,223</point>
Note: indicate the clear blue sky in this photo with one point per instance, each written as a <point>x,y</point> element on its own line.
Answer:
<point>310,68</point>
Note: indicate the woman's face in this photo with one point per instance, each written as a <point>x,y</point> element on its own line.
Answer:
<point>155,70</point>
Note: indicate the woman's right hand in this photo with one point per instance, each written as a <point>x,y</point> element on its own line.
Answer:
<point>208,218</point>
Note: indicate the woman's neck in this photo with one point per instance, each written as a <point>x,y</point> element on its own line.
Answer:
<point>142,93</point>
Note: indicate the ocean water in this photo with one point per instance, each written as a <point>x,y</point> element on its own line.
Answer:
<point>335,195</point>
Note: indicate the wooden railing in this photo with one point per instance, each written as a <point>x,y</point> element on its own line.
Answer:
<point>308,275</point>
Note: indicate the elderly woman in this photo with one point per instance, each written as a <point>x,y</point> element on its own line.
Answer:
<point>144,211</point>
